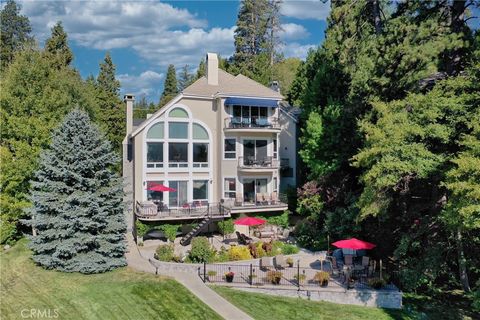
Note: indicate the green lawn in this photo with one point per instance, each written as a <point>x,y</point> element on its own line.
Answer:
<point>262,306</point>
<point>121,294</point>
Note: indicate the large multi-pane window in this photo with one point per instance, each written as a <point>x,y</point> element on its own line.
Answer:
<point>200,155</point>
<point>200,190</point>
<point>275,152</point>
<point>178,130</point>
<point>229,188</point>
<point>230,149</point>
<point>154,154</point>
<point>177,155</point>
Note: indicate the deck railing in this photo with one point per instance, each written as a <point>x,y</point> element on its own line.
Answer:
<point>197,209</point>
<point>252,123</point>
<point>258,163</point>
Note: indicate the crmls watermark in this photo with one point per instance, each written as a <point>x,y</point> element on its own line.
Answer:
<point>39,313</point>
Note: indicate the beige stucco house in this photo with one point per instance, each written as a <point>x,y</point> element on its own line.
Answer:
<point>226,144</point>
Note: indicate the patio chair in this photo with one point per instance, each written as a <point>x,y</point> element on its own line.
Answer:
<point>235,122</point>
<point>266,198</point>
<point>240,239</point>
<point>280,262</point>
<point>246,122</point>
<point>238,199</point>
<point>335,268</point>
<point>274,199</point>
<point>259,198</point>
<point>267,162</point>
<point>246,238</point>
<point>348,259</point>
<point>266,264</point>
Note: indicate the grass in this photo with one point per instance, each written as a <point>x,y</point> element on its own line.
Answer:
<point>120,294</point>
<point>266,307</point>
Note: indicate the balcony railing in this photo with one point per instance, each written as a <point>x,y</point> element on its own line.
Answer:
<point>149,210</point>
<point>258,163</point>
<point>252,123</point>
<point>272,200</point>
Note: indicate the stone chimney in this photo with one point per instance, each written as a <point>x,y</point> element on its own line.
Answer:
<point>129,99</point>
<point>212,69</point>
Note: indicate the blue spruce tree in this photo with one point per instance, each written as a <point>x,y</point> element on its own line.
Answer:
<point>77,201</point>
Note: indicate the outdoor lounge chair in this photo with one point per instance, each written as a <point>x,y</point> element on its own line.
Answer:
<point>280,262</point>
<point>266,263</point>
<point>266,198</point>
<point>238,199</point>
<point>348,259</point>
<point>259,198</point>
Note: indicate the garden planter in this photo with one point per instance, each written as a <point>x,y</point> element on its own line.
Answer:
<point>229,278</point>
<point>324,284</point>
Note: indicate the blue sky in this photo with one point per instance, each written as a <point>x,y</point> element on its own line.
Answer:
<point>144,37</point>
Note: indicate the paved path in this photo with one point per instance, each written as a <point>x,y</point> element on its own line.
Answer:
<point>191,281</point>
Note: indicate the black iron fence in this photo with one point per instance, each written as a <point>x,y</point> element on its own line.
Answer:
<point>294,276</point>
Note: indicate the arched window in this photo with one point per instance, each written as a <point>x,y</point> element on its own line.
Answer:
<point>156,131</point>
<point>178,130</point>
<point>178,113</point>
<point>199,132</point>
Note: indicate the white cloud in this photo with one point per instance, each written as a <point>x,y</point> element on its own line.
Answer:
<point>158,32</point>
<point>147,83</point>
<point>293,31</point>
<point>297,50</point>
<point>306,9</point>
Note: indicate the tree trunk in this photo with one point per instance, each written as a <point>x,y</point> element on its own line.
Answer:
<point>376,17</point>
<point>462,267</point>
<point>457,23</point>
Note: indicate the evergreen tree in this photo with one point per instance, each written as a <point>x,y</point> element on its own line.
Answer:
<point>201,71</point>
<point>106,78</point>
<point>112,110</point>
<point>15,32</point>
<point>57,47</point>
<point>78,201</point>
<point>170,87</point>
<point>185,78</point>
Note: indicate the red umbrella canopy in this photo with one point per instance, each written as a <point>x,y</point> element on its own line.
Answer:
<point>159,187</point>
<point>354,244</point>
<point>249,221</point>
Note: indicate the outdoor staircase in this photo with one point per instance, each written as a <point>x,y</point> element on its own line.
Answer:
<point>185,241</point>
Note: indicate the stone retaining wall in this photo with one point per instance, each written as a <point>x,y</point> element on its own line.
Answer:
<point>369,298</point>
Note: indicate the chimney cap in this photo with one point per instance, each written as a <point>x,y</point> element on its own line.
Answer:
<point>129,97</point>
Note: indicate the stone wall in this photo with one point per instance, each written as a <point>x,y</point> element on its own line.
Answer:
<point>369,298</point>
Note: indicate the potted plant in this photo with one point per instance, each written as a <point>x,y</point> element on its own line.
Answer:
<point>211,273</point>
<point>229,276</point>
<point>322,278</point>
<point>290,261</point>
<point>274,277</point>
<point>377,283</point>
<point>300,278</point>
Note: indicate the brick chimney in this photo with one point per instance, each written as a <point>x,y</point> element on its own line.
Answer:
<point>129,99</point>
<point>212,69</point>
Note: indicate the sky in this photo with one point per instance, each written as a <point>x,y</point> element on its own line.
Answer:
<point>144,37</point>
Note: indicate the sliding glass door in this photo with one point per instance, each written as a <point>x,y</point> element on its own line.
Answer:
<point>178,198</point>
<point>254,151</point>
<point>251,187</point>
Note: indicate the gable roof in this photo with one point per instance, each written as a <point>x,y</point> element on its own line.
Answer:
<point>231,85</point>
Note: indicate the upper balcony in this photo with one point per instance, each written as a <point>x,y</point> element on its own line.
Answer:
<point>249,124</point>
<point>257,164</point>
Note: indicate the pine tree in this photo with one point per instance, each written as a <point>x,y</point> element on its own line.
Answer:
<point>57,47</point>
<point>78,201</point>
<point>112,112</point>
<point>106,78</point>
<point>170,88</point>
<point>185,78</point>
<point>201,69</point>
<point>15,32</point>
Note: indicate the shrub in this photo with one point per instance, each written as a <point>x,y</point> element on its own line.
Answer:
<point>201,250</point>
<point>321,277</point>
<point>476,298</point>
<point>226,226</point>
<point>377,283</point>
<point>302,278</point>
<point>142,228</point>
<point>211,273</point>
<point>267,247</point>
<point>281,220</point>
<point>308,235</point>
<point>277,248</point>
<point>290,249</point>
<point>290,261</point>
<point>164,252</point>
<point>260,251</point>
<point>239,253</point>
<point>274,276</point>
<point>170,231</point>
<point>222,255</point>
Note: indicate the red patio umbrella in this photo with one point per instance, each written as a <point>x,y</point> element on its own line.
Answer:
<point>249,221</point>
<point>354,244</point>
<point>159,187</point>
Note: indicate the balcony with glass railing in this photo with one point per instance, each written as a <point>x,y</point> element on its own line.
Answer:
<point>252,123</point>
<point>258,163</point>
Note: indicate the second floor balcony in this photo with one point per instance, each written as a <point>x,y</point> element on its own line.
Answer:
<point>252,123</point>
<point>258,163</point>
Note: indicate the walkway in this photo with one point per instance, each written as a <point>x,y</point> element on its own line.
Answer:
<point>191,281</point>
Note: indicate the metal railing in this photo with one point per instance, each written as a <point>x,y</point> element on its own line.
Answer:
<point>258,163</point>
<point>252,122</point>
<point>196,209</point>
<point>293,276</point>
<point>268,200</point>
